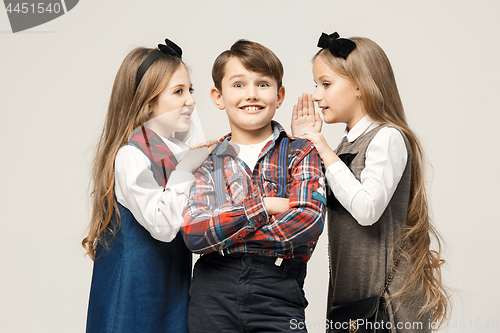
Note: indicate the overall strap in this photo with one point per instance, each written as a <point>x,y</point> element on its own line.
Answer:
<point>282,167</point>
<point>163,161</point>
<point>282,180</point>
<point>220,184</point>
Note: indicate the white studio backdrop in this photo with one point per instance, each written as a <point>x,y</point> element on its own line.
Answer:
<point>55,82</point>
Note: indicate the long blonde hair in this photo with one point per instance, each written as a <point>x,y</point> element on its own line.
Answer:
<point>128,108</point>
<point>369,68</point>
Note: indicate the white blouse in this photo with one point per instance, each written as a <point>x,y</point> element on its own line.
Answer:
<point>386,158</point>
<point>157,209</point>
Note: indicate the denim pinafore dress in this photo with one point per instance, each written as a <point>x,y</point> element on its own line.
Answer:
<point>140,284</point>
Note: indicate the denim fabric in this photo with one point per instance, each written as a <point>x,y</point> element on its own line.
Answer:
<point>139,284</point>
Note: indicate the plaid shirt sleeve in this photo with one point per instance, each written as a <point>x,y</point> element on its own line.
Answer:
<point>208,227</point>
<point>300,227</point>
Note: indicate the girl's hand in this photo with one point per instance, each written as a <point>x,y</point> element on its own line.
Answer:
<point>325,152</point>
<point>207,144</point>
<point>304,118</point>
<point>306,124</point>
<point>195,157</point>
<point>276,205</point>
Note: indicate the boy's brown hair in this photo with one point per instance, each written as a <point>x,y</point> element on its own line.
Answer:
<point>254,57</point>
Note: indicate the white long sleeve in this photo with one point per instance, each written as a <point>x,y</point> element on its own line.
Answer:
<point>386,158</point>
<point>156,209</point>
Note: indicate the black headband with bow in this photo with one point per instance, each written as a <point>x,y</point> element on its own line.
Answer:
<point>339,47</point>
<point>170,48</point>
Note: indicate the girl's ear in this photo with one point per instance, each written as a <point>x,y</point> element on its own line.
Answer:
<point>358,93</point>
<point>280,97</point>
<point>151,106</point>
<point>216,96</point>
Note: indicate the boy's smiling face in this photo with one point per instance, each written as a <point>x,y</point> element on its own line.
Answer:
<point>250,100</point>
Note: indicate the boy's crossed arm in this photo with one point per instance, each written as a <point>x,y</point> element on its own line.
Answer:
<point>247,226</point>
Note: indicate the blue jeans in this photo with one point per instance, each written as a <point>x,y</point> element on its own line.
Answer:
<point>246,293</point>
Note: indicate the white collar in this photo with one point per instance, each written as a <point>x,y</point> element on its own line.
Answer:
<point>256,145</point>
<point>358,129</point>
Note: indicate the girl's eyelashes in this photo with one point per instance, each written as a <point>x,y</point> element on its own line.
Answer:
<point>180,91</point>
<point>324,84</point>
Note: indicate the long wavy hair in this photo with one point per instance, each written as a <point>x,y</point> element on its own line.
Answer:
<point>370,70</point>
<point>128,109</point>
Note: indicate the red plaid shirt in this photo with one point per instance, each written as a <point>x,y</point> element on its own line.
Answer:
<point>242,225</point>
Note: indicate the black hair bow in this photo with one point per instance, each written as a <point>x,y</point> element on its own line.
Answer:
<point>339,47</point>
<point>170,48</point>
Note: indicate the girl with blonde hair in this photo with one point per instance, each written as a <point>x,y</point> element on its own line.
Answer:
<point>379,228</point>
<point>142,268</point>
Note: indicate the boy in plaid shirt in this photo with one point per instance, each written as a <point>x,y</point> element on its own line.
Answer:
<point>257,206</point>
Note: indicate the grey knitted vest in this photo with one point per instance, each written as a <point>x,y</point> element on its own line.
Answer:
<point>362,257</point>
